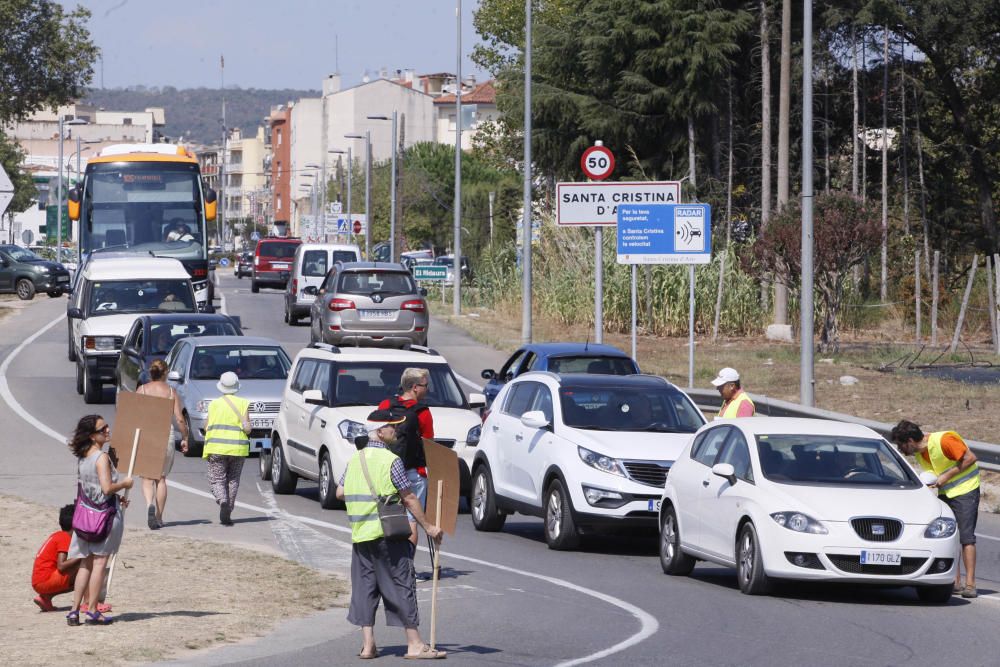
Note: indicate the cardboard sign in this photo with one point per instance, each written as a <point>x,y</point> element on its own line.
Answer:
<point>151,415</point>
<point>442,464</point>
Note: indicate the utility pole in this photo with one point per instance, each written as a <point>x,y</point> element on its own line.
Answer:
<point>806,386</point>
<point>526,231</point>
<point>457,264</point>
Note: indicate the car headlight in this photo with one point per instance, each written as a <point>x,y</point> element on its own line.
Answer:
<point>600,461</point>
<point>940,528</point>
<point>42,269</point>
<point>99,343</point>
<point>351,429</point>
<point>799,522</point>
<point>202,405</point>
<point>472,437</point>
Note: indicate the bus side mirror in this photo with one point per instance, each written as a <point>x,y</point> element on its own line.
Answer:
<point>73,205</point>
<point>211,204</point>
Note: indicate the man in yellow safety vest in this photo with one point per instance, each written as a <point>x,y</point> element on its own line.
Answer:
<point>945,454</point>
<point>735,402</point>
<point>226,444</point>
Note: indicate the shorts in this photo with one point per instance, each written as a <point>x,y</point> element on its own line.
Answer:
<point>56,583</point>
<point>966,510</point>
<point>418,484</point>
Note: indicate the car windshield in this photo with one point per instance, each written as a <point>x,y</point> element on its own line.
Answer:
<point>21,254</point>
<point>277,249</point>
<point>825,459</point>
<point>249,362</point>
<point>370,282</point>
<point>444,261</point>
<point>370,382</point>
<point>140,296</point>
<point>165,335</point>
<point>656,409</point>
<point>595,365</point>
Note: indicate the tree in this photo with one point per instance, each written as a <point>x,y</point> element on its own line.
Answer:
<point>46,56</point>
<point>25,192</point>
<point>845,231</point>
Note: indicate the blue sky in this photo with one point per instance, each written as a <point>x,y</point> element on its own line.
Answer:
<point>279,44</point>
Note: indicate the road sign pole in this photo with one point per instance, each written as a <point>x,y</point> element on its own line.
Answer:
<point>526,250</point>
<point>806,382</point>
<point>599,285</point>
<point>635,273</point>
<point>691,326</point>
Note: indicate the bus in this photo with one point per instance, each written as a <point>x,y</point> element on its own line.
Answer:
<point>147,199</point>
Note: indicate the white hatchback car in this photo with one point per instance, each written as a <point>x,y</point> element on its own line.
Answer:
<point>805,499</point>
<point>328,397</point>
<point>582,451</point>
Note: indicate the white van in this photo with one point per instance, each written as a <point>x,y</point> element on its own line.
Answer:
<point>309,268</point>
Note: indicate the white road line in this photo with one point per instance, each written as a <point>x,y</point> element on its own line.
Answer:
<point>988,537</point>
<point>648,625</point>
<point>467,382</point>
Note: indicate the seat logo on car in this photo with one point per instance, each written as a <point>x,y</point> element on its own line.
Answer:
<point>878,529</point>
<point>377,298</point>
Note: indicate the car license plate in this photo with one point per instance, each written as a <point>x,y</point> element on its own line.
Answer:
<point>881,558</point>
<point>62,279</point>
<point>377,314</point>
<point>261,443</point>
<point>654,505</point>
<point>261,423</point>
<point>276,265</point>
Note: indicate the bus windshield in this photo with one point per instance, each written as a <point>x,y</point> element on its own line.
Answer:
<point>143,207</point>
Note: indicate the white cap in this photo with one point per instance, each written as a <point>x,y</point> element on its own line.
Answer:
<point>229,383</point>
<point>726,375</point>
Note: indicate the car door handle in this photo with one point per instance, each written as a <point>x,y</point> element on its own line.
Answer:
<point>706,482</point>
<point>519,437</point>
<point>495,428</point>
<point>322,423</point>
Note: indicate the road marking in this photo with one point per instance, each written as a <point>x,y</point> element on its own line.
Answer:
<point>988,537</point>
<point>467,382</point>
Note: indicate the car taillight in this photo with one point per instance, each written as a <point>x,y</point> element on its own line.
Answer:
<point>337,305</point>
<point>414,305</point>
<point>295,285</point>
<point>256,260</point>
<point>199,273</point>
<point>486,413</point>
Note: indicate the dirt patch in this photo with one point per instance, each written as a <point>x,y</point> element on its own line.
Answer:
<point>170,594</point>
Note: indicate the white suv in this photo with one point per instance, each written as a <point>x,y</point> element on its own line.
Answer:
<point>584,452</point>
<point>329,395</point>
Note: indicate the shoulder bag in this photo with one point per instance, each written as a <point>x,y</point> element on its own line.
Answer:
<point>92,521</point>
<point>391,512</point>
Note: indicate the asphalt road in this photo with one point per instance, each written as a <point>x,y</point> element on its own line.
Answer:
<point>505,598</point>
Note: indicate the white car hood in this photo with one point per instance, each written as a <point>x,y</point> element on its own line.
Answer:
<point>830,503</point>
<point>632,445</point>
<point>109,325</point>
<point>449,423</point>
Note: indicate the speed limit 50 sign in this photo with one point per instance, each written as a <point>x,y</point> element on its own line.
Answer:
<point>597,163</point>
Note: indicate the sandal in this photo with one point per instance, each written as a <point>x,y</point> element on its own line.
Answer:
<point>73,618</point>
<point>102,607</point>
<point>44,603</point>
<point>427,653</point>
<point>97,618</point>
<point>368,656</point>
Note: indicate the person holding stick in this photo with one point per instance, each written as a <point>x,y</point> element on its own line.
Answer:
<point>99,481</point>
<point>382,569</point>
<point>155,491</point>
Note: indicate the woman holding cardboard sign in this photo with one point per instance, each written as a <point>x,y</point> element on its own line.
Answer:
<point>156,491</point>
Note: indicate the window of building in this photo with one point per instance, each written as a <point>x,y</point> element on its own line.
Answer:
<point>279,136</point>
<point>127,121</point>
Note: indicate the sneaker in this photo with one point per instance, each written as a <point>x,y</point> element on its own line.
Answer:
<point>959,588</point>
<point>151,518</point>
<point>224,515</point>
<point>44,603</point>
<point>970,592</point>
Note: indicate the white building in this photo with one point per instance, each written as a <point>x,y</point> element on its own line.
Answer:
<point>479,106</point>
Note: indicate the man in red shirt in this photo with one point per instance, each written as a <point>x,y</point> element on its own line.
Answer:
<point>53,573</point>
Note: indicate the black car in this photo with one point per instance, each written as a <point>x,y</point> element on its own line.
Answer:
<point>25,273</point>
<point>243,266</point>
<point>152,336</point>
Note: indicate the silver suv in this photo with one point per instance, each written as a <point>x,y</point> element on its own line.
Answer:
<point>369,303</point>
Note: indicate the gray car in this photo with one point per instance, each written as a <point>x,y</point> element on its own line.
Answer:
<point>369,303</point>
<point>195,364</point>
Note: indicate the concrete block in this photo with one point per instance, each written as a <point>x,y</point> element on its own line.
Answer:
<point>780,332</point>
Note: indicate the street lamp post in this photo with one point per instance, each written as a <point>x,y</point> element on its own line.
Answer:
<point>367,136</point>
<point>526,248</point>
<point>392,188</point>
<point>59,179</point>
<point>350,172</point>
<point>457,301</point>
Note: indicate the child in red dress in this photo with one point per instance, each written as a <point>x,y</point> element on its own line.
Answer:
<point>53,573</point>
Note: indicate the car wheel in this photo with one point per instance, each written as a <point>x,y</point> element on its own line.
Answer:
<point>292,318</point>
<point>254,287</point>
<point>283,480</point>
<point>92,389</point>
<point>194,449</point>
<point>70,349</point>
<point>327,485</point>
<point>560,529</point>
<point>312,334</point>
<point>485,515</point>
<point>25,289</point>
<point>749,563</point>
<point>79,378</point>
<point>264,465</point>
<point>672,559</point>
<point>935,594</point>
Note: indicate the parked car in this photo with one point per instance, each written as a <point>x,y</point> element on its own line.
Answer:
<point>331,393</point>
<point>309,268</point>
<point>194,366</point>
<point>152,336</point>
<point>584,452</point>
<point>111,292</point>
<point>243,266</point>
<point>805,499</point>
<point>272,262</point>
<point>559,358</point>
<point>365,303</point>
<point>449,261</point>
<point>25,273</point>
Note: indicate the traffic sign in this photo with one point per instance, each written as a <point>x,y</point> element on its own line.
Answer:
<point>430,272</point>
<point>255,236</point>
<point>343,226</point>
<point>597,203</point>
<point>665,234</point>
<point>597,162</point>
<point>27,235</point>
<point>224,262</point>
<point>357,227</point>
<point>6,191</point>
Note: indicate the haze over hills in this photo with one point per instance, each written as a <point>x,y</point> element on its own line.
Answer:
<point>195,114</point>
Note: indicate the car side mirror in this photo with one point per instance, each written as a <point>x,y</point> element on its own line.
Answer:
<point>73,203</point>
<point>311,290</point>
<point>536,419</point>
<point>726,471</point>
<point>488,374</point>
<point>74,314</point>
<point>174,376</point>
<point>927,478</point>
<point>477,400</point>
<point>211,204</point>
<point>313,397</point>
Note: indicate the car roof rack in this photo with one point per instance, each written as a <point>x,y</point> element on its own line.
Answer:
<point>325,346</point>
<point>424,349</point>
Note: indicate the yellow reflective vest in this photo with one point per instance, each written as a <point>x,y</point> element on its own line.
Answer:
<point>963,482</point>
<point>224,431</point>
<point>361,508</point>
<point>731,410</point>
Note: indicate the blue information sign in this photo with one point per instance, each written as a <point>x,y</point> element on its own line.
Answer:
<point>664,234</point>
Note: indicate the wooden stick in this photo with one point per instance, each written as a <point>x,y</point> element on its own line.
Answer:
<point>992,302</point>
<point>934,298</point>
<point>437,559</point>
<point>114,558</point>
<point>965,304</point>
<point>916,290</point>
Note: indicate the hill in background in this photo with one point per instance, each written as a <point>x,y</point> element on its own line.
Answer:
<point>195,114</point>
